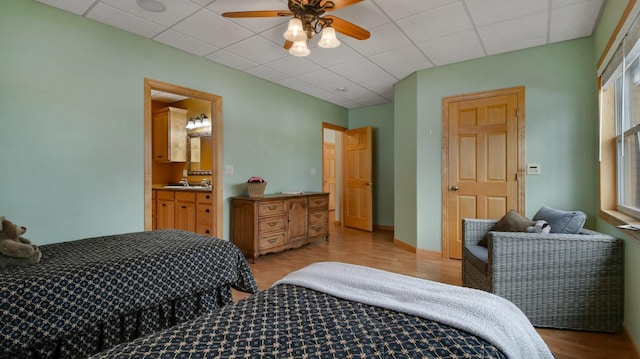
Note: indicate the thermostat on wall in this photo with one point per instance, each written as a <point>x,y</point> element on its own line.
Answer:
<point>533,168</point>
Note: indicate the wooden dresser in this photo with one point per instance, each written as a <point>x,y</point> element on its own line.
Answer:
<point>273,223</point>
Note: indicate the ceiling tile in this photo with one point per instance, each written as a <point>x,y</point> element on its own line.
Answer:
<point>125,21</point>
<point>325,80</point>
<point>355,69</point>
<point>332,57</point>
<point>257,47</point>
<point>397,61</point>
<point>565,25</point>
<point>296,84</point>
<point>514,34</point>
<point>267,73</point>
<point>293,66</point>
<point>364,14</point>
<point>185,43</point>
<point>77,7</point>
<point>230,59</point>
<point>384,38</point>
<point>254,24</point>
<point>399,9</point>
<point>485,12</point>
<point>211,28</point>
<point>442,21</point>
<point>453,48</point>
<point>176,10</point>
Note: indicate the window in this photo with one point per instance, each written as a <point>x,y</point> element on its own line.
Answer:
<point>620,121</point>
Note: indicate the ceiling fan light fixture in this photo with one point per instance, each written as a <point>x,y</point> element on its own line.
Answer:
<point>295,31</point>
<point>329,39</point>
<point>299,48</point>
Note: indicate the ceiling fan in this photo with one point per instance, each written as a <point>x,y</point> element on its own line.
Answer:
<point>307,21</point>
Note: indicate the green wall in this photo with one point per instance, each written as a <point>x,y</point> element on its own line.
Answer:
<point>561,130</point>
<point>71,115</point>
<point>608,21</point>
<point>380,117</point>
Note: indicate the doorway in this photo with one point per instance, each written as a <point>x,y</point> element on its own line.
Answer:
<point>332,168</point>
<point>216,148</point>
<point>483,160</point>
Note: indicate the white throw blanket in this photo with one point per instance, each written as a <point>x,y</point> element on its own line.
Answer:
<point>482,314</point>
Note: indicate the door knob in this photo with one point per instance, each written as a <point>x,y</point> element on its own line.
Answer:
<point>454,188</point>
<point>369,183</point>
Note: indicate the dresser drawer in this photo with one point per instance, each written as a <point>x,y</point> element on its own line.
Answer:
<point>319,202</point>
<point>186,196</point>
<point>320,229</point>
<point>204,230</point>
<point>170,195</point>
<point>204,198</point>
<point>271,224</point>
<point>271,240</point>
<point>270,208</point>
<point>204,214</point>
<point>318,217</point>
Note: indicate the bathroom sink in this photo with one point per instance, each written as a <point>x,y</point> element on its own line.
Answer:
<point>190,188</point>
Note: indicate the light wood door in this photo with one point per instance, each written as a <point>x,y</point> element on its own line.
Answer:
<point>329,173</point>
<point>484,160</point>
<point>358,182</point>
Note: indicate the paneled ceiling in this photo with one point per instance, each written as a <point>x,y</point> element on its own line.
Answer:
<point>406,36</point>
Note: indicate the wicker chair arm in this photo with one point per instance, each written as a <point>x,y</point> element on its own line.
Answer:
<point>474,229</point>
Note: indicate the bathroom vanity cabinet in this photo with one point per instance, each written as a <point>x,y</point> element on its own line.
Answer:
<point>170,135</point>
<point>187,210</point>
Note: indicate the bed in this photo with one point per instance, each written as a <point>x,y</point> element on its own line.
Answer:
<point>337,310</point>
<point>91,294</point>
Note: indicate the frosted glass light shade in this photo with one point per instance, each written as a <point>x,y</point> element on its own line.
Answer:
<point>295,32</point>
<point>329,39</point>
<point>299,48</point>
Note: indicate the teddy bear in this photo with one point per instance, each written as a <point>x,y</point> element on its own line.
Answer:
<point>14,249</point>
<point>540,226</point>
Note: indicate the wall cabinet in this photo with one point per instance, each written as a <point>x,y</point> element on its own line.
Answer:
<point>170,135</point>
<point>189,211</point>
<point>261,225</point>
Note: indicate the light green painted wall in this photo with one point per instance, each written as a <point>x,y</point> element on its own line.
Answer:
<point>561,129</point>
<point>405,153</point>
<point>71,123</point>
<point>608,21</point>
<point>380,117</point>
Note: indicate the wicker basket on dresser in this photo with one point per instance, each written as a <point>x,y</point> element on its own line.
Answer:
<point>273,223</point>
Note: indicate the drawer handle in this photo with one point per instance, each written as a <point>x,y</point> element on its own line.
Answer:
<point>207,197</point>
<point>272,224</point>
<point>164,205</point>
<point>317,229</point>
<point>206,210</point>
<point>318,201</point>
<point>207,231</point>
<point>183,206</point>
<point>272,240</point>
<point>271,207</point>
<point>318,215</point>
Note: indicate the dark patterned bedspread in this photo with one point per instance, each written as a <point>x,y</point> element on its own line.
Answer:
<point>98,281</point>
<point>288,321</point>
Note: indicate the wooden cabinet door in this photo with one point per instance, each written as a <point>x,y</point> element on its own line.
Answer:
<point>165,213</point>
<point>186,216</point>
<point>297,217</point>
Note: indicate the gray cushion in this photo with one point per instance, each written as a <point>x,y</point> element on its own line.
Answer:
<point>569,222</point>
<point>477,256</point>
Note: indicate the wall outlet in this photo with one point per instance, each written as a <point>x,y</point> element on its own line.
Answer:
<point>533,169</point>
<point>313,171</point>
<point>228,169</point>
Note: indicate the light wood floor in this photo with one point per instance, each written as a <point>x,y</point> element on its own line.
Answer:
<point>377,250</point>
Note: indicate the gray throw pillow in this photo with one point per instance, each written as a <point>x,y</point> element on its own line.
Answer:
<point>569,222</point>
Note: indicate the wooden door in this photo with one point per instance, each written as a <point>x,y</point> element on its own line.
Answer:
<point>329,172</point>
<point>484,151</point>
<point>358,182</point>
<point>298,219</point>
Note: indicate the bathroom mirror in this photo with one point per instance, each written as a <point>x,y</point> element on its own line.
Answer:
<point>199,154</point>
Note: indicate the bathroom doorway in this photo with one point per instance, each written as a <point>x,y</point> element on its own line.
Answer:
<point>151,88</point>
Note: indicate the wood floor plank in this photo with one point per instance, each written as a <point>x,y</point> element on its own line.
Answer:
<point>376,249</point>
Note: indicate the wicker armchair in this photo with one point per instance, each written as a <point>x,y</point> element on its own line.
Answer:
<point>565,281</point>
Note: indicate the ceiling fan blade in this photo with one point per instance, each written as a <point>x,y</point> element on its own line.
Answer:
<point>262,13</point>
<point>288,44</point>
<point>348,28</point>
<point>339,4</point>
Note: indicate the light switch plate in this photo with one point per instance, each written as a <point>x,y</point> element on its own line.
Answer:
<point>533,169</point>
<point>228,169</point>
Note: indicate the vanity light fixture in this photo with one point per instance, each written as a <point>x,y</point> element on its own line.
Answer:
<point>200,121</point>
